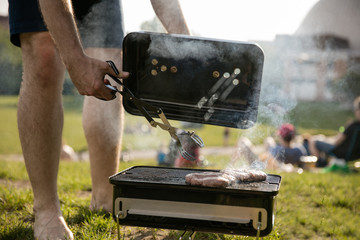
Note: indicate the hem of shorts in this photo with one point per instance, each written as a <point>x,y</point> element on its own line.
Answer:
<point>26,27</point>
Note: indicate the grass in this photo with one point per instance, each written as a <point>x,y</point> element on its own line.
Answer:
<point>320,206</point>
<point>9,139</point>
<point>325,118</point>
<point>308,206</point>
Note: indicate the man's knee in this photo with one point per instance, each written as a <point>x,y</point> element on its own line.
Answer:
<point>41,59</point>
<point>103,120</point>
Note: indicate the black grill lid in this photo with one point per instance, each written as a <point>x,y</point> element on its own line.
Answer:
<point>194,79</point>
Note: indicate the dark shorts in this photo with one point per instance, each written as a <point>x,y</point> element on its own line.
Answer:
<point>100,22</point>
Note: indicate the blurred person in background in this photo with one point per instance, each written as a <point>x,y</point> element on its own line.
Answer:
<point>77,36</point>
<point>284,151</point>
<point>281,153</point>
<point>181,162</point>
<point>226,137</point>
<point>346,145</point>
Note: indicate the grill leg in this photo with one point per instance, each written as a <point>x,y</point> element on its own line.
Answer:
<point>182,235</point>
<point>192,235</point>
<point>118,226</point>
<point>258,226</point>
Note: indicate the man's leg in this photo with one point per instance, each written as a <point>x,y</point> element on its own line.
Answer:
<point>40,121</point>
<point>103,124</point>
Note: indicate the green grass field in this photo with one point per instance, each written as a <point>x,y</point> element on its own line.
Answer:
<point>308,206</point>
<point>324,119</point>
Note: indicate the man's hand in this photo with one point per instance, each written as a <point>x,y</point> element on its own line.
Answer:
<point>88,76</point>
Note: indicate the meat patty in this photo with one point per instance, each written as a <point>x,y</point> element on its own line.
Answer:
<point>224,178</point>
<point>210,179</point>
<point>245,175</point>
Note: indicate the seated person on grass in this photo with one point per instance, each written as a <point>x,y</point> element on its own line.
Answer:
<point>284,151</point>
<point>346,145</point>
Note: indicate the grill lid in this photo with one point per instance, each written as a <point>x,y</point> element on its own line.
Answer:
<point>194,79</point>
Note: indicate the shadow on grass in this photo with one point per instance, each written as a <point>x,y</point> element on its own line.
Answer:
<point>20,232</point>
<point>84,214</point>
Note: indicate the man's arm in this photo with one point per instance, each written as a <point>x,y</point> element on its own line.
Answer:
<point>86,73</point>
<point>170,14</point>
<point>58,16</point>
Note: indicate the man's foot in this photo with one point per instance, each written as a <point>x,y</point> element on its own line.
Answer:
<point>101,204</point>
<point>53,228</point>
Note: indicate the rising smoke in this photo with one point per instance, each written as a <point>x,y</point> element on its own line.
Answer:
<point>101,26</point>
<point>178,49</point>
<point>175,48</point>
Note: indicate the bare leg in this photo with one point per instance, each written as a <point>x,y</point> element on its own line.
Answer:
<point>103,124</point>
<point>313,149</point>
<point>40,121</point>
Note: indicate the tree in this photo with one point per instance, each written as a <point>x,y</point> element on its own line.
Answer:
<point>347,88</point>
<point>10,65</point>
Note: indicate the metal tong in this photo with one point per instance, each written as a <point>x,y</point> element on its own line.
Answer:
<point>185,140</point>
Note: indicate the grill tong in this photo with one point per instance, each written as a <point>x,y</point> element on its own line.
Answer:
<point>185,140</point>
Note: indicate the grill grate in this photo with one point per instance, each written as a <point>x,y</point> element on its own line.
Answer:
<point>176,177</point>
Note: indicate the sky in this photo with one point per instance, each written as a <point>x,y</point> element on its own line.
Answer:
<point>241,20</point>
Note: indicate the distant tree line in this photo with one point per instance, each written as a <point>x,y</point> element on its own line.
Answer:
<point>348,86</point>
<point>11,62</point>
<point>11,68</point>
<point>10,65</point>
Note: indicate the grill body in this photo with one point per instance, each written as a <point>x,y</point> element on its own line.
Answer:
<point>159,197</point>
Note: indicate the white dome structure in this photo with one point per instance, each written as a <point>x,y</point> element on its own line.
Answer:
<point>334,17</point>
<point>321,51</point>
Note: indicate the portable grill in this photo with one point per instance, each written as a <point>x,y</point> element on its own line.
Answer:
<point>200,80</point>
<point>159,197</point>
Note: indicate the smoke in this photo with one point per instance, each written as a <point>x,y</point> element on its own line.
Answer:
<point>178,49</point>
<point>249,61</point>
<point>274,109</point>
<point>101,26</point>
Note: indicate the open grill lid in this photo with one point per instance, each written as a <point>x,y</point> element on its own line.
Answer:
<point>194,79</point>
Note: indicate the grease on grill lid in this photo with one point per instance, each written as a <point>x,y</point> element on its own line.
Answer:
<point>173,69</point>
<point>163,68</point>
<point>154,72</point>
<point>154,62</point>
<point>216,74</point>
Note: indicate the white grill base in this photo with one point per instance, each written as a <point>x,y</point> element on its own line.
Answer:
<point>189,210</point>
